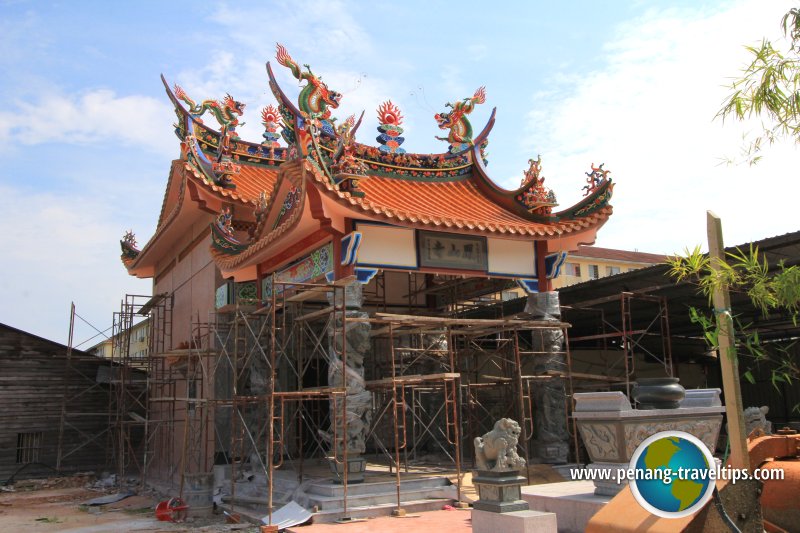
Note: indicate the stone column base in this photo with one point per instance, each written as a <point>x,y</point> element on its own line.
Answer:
<point>608,486</point>
<point>554,452</point>
<point>355,470</point>
<point>499,492</point>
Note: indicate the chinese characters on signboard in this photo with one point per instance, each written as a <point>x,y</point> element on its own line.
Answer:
<point>446,250</point>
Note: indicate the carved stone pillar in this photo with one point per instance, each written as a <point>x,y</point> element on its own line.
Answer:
<point>358,411</point>
<point>551,437</point>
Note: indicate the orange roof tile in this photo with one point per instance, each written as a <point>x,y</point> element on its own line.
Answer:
<point>250,181</point>
<point>456,203</point>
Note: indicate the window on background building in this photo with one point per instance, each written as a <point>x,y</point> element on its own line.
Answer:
<point>594,271</point>
<point>28,446</point>
<point>508,295</point>
<point>573,269</point>
<point>611,270</point>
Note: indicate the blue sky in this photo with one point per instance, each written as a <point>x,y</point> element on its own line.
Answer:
<point>86,140</point>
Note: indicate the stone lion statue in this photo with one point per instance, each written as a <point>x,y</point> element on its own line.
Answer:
<point>756,418</point>
<point>497,450</point>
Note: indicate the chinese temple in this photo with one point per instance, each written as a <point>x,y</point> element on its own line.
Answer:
<point>383,257</point>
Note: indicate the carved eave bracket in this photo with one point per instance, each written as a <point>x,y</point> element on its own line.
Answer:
<point>222,235</point>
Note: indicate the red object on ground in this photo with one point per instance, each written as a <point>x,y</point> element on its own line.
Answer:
<point>172,510</point>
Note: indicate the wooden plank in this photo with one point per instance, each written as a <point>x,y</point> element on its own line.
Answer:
<point>728,360</point>
<point>380,332</point>
<point>585,376</point>
<point>412,379</point>
<point>347,280</point>
<point>314,314</point>
<point>307,294</point>
<point>445,321</point>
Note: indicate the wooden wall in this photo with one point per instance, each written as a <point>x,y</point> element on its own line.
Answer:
<point>32,386</point>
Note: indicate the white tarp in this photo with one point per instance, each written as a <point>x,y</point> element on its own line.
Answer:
<point>289,515</point>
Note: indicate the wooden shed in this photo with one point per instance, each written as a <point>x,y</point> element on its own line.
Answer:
<point>54,407</point>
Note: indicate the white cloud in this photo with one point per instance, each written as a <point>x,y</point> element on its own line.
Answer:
<point>648,114</point>
<point>91,117</point>
<point>66,252</point>
<point>339,43</point>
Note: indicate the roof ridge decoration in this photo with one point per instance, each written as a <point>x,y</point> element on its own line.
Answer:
<point>460,135</point>
<point>346,168</point>
<point>390,164</point>
<point>220,170</point>
<point>315,100</point>
<point>597,196</point>
<point>271,119</point>
<point>389,120</point>
<point>533,195</point>
<point>210,139</point>
<point>227,114</point>
<point>596,177</point>
<point>129,250</point>
<point>598,193</point>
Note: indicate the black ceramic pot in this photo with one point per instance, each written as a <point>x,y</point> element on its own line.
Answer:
<point>658,393</point>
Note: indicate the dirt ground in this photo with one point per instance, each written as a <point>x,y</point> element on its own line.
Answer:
<point>59,504</point>
<point>46,507</point>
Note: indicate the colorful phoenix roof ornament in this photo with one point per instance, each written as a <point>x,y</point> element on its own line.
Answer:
<point>389,119</point>
<point>460,136</point>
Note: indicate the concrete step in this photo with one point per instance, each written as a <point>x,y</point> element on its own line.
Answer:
<point>384,509</point>
<point>325,503</point>
<point>328,488</point>
<point>254,514</point>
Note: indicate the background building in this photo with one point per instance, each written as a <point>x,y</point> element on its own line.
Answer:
<point>593,262</point>
<point>139,343</point>
<point>55,413</point>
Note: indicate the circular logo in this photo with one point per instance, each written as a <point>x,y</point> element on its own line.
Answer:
<point>673,474</point>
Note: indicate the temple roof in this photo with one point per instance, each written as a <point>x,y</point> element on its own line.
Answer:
<point>455,203</point>
<point>449,191</point>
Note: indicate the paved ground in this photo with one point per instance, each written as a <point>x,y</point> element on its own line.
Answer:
<point>455,521</point>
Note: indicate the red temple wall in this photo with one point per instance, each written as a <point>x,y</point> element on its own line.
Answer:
<point>190,275</point>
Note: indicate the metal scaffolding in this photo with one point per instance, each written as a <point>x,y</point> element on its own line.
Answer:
<point>646,336</point>
<point>252,389</point>
<point>130,385</point>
